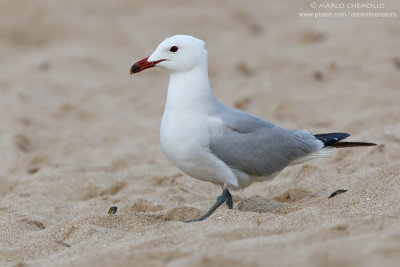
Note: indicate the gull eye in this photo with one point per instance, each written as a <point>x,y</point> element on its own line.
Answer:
<point>173,49</point>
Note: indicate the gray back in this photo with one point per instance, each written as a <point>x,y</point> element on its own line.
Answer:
<point>255,146</point>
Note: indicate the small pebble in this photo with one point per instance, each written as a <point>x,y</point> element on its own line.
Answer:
<point>62,243</point>
<point>318,75</point>
<point>33,170</point>
<point>396,62</point>
<point>337,192</point>
<point>112,210</point>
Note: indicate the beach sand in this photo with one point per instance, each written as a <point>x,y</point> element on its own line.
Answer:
<point>79,135</point>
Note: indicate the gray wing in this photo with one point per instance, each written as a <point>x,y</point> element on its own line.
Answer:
<point>255,146</point>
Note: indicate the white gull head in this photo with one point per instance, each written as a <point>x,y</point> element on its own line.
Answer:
<point>179,53</point>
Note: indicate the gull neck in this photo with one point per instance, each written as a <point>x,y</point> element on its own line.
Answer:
<point>191,91</point>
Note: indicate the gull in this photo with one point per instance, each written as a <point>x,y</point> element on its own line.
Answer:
<point>212,142</point>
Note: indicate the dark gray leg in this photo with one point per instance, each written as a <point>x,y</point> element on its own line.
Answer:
<point>229,201</point>
<point>224,197</point>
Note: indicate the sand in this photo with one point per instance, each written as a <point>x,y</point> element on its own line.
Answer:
<point>78,135</point>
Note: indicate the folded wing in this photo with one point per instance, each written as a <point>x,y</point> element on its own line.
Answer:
<point>257,147</point>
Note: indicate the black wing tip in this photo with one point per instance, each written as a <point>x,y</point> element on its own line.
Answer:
<point>339,134</point>
<point>353,144</point>
<point>331,138</point>
<point>334,140</point>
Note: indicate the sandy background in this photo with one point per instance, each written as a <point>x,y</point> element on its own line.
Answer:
<point>79,135</point>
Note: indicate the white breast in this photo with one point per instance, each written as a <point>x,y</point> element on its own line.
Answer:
<point>184,139</point>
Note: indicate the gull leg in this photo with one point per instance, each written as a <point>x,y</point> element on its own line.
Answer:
<point>224,197</point>
<point>229,201</point>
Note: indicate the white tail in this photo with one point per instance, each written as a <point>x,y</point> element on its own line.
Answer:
<point>326,152</point>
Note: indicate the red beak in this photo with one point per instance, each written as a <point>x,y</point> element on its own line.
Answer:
<point>143,64</point>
